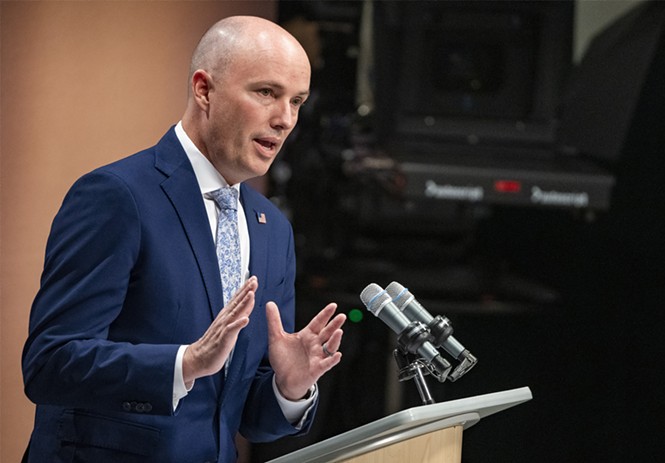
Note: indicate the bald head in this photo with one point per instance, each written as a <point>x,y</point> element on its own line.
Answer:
<point>234,36</point>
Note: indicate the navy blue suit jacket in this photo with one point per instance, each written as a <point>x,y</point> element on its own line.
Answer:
<point>130,275</point>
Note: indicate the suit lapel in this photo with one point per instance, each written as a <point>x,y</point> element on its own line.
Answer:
<point>259,238</point>
<point>183,191</point>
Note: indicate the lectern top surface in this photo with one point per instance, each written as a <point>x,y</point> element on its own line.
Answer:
<point>405,422</point>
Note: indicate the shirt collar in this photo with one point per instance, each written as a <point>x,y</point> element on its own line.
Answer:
<point>208,177</point>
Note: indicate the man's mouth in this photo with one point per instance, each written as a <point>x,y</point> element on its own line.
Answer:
<point>266,143</point>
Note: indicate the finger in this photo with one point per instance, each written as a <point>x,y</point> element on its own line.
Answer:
<point>245,305</point>
<point>275,327</point>
<point>233,312</point>
<point>250,285</point>
<point>320,320</point>
<point>329,361</point>
<point>334,341</point>
<point>332,326</point>
<point>236,325</point>
<point>227,329</point>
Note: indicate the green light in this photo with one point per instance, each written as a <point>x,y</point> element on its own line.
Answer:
<point>355,315</point>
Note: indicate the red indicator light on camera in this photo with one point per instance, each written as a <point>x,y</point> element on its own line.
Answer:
<point>507,186</point>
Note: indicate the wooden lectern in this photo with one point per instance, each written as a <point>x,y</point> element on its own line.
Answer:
<point>425,434</point>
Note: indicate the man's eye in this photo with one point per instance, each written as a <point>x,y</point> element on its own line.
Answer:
<point>265,92</point>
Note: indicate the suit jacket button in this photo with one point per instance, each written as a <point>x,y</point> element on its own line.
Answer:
<point>147,407</point>
<point>126,406</point>
<point>139,407</point>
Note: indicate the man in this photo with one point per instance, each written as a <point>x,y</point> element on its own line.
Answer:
<point>130,356</point>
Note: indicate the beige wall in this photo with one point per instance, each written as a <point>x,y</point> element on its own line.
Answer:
<point>82,83</point>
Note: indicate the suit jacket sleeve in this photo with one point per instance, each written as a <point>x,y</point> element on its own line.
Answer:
<point>69,358</point>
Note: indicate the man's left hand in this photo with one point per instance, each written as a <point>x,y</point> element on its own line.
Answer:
<point>300,359</point>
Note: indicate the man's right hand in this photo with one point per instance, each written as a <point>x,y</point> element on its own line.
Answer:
<point>208,355</point>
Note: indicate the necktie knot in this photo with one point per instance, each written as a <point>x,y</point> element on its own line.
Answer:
<point>226,198</point>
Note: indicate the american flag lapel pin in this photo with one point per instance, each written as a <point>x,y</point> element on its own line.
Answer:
<point>261,217</point>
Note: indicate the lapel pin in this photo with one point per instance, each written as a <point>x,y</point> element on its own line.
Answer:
<point>261,217</point>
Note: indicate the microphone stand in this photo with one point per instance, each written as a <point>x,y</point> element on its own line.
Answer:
<point>411,367</point>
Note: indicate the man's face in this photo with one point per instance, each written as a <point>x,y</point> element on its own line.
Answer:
<point>254,106</point>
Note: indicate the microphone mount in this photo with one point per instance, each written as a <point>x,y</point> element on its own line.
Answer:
<point>440,330</point>
<point>468,361</point>
<point>412,366</point>
<point>412,338</point>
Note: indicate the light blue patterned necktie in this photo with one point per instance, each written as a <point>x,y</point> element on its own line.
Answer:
<point>228,240</point>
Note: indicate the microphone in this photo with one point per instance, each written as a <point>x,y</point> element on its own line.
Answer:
<point>412,335</point>
<point>439,327</point>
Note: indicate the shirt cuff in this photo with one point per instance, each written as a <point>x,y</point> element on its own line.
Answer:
<point>179,388</point>
<point>296,412</point>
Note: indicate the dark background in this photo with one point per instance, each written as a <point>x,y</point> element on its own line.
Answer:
<point>567,302</point>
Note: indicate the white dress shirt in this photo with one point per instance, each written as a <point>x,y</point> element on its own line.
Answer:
<point>209,180</point>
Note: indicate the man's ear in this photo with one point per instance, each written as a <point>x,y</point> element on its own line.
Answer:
<point>201,86</point>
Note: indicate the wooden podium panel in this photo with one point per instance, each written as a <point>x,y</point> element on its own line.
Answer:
<point>442,446</point>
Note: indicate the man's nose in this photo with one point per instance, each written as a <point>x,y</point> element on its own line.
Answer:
<point>285,116</point>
